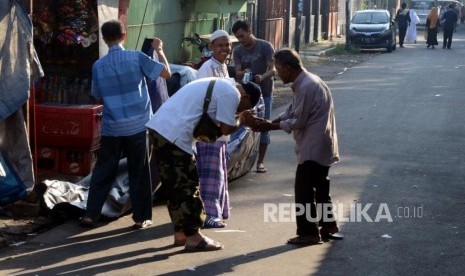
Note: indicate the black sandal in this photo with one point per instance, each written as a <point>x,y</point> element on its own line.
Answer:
<point>305,240</point>
<point>86,222</point>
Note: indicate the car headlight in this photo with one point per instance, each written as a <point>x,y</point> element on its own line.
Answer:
<point>352,32</point>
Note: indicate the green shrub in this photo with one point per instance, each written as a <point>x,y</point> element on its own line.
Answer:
<point>342,49</point>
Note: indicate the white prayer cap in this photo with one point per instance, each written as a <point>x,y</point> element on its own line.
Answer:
<point>219,33</point>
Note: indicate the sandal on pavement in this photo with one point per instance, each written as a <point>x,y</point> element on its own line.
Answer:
<point>205,244</point>
<point>86,222</point>
<point>305,240</point>
<point>261,168</point>
<point>142,225</point>
<point>213,222</point>
<point>330,233</point>
<point>335,236</point>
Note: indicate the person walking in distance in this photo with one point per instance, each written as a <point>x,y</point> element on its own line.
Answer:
<point>432,27</point>
<point>448,21</point>
<point>255,57</point>
<point>403,22</point>
<point>211,157</point>
<point>311,119</point>
<point>411,34</point>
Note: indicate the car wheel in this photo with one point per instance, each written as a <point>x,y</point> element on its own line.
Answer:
<point>394,47</point>
<point>389,48</point>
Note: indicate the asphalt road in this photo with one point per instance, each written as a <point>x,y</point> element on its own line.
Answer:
<point>400,120</point>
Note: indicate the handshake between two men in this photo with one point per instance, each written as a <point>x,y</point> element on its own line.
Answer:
<point>248,119</point>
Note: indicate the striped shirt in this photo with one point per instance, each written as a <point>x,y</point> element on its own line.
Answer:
<point>311,120</point>
<point>119,79</point>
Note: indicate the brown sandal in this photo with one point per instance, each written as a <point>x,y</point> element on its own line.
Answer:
<point>204,245</point>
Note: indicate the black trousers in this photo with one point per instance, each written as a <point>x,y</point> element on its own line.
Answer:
<point>311,188</point>
<point>104,173</point>
<point>447,39</point>
<point>402,33</point>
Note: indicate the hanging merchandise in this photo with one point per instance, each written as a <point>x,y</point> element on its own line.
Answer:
<point>66,39</point>
<point>46,20</point>
<point>76,22</point>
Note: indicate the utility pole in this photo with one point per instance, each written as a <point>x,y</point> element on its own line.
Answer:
<point>316,25</point>
<point>298,21</point>
<point>347,24</point>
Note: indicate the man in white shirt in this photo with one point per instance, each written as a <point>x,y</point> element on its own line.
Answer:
<point>171,134</point>
<point>220,44</point>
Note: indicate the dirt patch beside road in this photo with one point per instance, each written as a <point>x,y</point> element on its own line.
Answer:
<point>326,67</point>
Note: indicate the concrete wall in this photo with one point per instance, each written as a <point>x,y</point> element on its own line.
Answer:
<point>292,25</point>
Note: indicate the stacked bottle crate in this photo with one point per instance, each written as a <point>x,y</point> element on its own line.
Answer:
<point>67,138</point>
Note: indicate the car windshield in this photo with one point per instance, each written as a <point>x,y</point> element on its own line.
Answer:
<point>370,18</point>
<point>422,5</point>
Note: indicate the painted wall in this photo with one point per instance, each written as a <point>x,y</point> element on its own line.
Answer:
<point>161,18</point>
<point>171,20</point>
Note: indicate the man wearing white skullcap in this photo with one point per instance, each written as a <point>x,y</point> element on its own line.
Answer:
<point>219,33</point>
<point>211,157</point>
<point>220,44</point>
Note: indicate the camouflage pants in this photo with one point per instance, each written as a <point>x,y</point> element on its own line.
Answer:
<point>178,173</point>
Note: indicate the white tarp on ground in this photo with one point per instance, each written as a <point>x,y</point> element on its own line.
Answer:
<point>117,202</point>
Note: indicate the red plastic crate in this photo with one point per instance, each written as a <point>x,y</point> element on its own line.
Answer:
<point>73,126</point>
<point>48,159</point>
<point>78,161</point>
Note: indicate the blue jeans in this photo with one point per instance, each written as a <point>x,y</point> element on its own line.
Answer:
<point>104,173</point>
<point>265,135</point>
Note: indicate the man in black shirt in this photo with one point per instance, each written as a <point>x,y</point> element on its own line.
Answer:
<point>448,21</point>
<point>403,21</point>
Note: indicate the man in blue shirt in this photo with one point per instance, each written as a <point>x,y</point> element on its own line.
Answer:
<point>119,80</point>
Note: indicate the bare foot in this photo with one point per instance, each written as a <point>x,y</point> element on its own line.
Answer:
<point>179,238</point>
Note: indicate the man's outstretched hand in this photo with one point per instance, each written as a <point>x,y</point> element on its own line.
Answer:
<point>248,119</point>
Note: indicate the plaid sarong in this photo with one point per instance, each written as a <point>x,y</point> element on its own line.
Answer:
<point>213,176</point>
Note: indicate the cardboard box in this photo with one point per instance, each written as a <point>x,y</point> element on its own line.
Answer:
<point>78,161</point>
<point>68,126</point>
